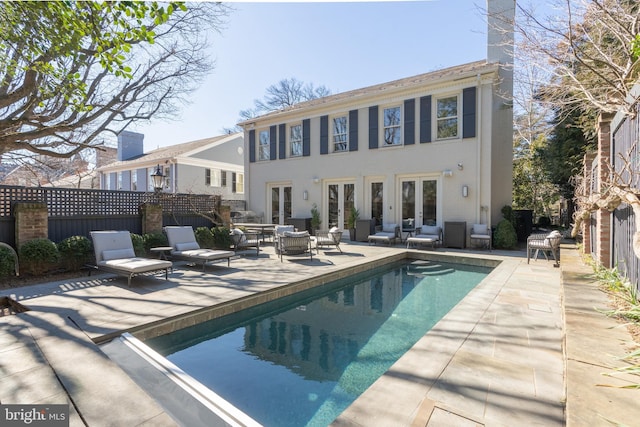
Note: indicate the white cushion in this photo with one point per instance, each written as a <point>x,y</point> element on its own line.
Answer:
<point>187,246</point>
<point>389,228</point>
<point>432,230</point>
<point>117,254</point>
<point>237,231</point>
<point>280,229</point>
<point>333,229</point>
<point>479,228</point>
<point>296,233</point>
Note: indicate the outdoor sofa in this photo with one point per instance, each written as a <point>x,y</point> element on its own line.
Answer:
<point>114,253</point>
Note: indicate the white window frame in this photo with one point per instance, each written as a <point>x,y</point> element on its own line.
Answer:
<point>335,141</point>
<point>397,127</point>
<point>455,117</point>
<point>264,150</point>
<point>239,183</point>
<point>295,144</point>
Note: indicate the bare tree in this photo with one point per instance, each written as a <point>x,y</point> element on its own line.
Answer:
<point>71,72</point>
<point>284,94</point>
<point>588,53</point>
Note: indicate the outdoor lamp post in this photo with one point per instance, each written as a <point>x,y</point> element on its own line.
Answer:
<point>157,179</point>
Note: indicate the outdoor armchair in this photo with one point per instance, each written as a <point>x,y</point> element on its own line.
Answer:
<point>294,243</point>
<point>546,242</point>
<point>426,234</point>
<point>388,234</point>
<point>114,253</point>
<point>330,237</point>
<point>184,246</point>
<point>245,239</point>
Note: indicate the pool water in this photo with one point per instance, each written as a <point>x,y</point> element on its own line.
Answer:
<point>302,362</point>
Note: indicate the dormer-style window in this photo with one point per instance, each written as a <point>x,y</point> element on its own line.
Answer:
<point>340,134</point>
<point>264,147</point>
<point>392,119</point>
<point>295,140</point>
<point>447,117</point>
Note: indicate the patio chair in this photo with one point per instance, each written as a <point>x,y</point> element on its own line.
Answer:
<point>545,242</point>
<point>184,246</point>
<point>278,231</point>
<point>427,234</point>
<point>245,239</point>
<point>114,253</point>
<point>294,243</point>
<point>330,237</point>
<point>388,234</point>
<point>481,233</point>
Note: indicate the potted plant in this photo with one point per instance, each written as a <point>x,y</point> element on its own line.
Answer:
<point>354,215</point>
<point>315,219</point>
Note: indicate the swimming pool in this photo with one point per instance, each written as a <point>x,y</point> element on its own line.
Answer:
<point>303,359</point>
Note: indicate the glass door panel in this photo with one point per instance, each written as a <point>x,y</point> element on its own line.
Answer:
<point>280,204</point>
<point>340,201</point>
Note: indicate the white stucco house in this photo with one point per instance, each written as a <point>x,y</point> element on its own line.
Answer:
<point>207,166</point>
<point>432,148</point>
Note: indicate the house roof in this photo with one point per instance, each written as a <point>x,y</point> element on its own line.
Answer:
<point>172,151</point>
<point>447,74</point>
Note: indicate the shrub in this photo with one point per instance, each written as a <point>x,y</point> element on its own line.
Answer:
<point>507,213</point>
<point>152,240</point>
<point>204,237</point>
<point>75,252</point>
<point>221,237</point>
<point>38,256</point>
<point>138,244</point>
<point>505,236</point>
<point>7,262</point>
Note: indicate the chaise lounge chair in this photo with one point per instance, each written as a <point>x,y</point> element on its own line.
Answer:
<point>114,253</point>
<point>427,234</point>
<point>184,246</point>
<point>389,234</point>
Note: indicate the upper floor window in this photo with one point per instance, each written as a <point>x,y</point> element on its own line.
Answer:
<point>295,140</point>
<point>447,116</point>
<point>239,182</point>
<point>223,178</point>
<point>265,145</point>
<point>392,120</point>
<point>340,134</point>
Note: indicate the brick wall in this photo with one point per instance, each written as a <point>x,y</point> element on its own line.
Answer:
<point>31,222</point>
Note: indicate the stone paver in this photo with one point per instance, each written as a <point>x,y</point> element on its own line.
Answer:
<point>498,358</point>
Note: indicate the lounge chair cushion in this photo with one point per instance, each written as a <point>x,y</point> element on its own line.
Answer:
<point>135,265</point>
<point>333,229</point>
<point>389,228</point>
<point>430,230</point>
<point>479,229</point>
<point>187,246</point>
<point>118,254</point>
<point>296,233</point>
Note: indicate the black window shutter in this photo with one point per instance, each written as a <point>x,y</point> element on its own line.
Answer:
<point>252,145</point>
<point>409,122</point>
<point>425,119</point>
<point>273,144</point>
<point>373,127</point>
<point>469,112</point>
<point>324,135</point>
<point>353,130</point>
<point>306,137</point>
<point>233,182</point>
<point>282,141</point>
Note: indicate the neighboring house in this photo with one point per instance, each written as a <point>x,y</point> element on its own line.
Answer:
<point>207,166</point>
<point>431,148</point>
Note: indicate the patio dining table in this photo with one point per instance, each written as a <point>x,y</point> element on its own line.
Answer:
<point>263,229</point>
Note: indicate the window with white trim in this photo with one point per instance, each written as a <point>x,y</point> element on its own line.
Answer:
<point>239,183</point>
<point>223,178</point>
<point>340,134</point>
<point>447,117</point>
<point>295,140</point>
<point>392,122</point>
<point>215,178</point>
<point>264,145</point>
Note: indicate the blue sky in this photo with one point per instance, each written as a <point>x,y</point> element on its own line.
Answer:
<point>341,45</point>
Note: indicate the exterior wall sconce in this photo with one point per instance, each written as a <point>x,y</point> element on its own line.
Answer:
<point>447,172</point>
<point>465,190</point>
<point>460,166</point>
<point>305,195</point>
<point>157,179</point>
<point>316,180</point>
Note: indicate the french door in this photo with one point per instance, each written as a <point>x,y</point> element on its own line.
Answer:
<point>340,201</point>
<point>280,203</point>
<point>419,201</point>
